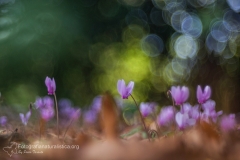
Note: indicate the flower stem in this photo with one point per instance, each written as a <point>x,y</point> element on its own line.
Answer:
<point>67,129</point>
<point>145,128</point>
<point>40,130</point>
<point>200,108</point>
<point>170,93</point>
<point>181,109</point>
<point>55,99</point>
<point>155,120</point>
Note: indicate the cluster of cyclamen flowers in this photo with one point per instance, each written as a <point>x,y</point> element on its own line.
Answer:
<point>45,106</point>
<point>181,113</point>
<point>187,115</point>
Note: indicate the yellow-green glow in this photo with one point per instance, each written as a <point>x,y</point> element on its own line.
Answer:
<point>119,61</point>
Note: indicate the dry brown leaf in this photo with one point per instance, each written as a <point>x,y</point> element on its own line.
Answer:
<point>209,130</point>
<point>109,116</point>
<point>82,139</point>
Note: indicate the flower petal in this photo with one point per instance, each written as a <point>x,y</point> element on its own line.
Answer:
<point>129,88</point>
<point>207,93</point>
<point>28,114</point>
<point>23,119</point>
<point>166,116</point>
<point>179,119</point>
<point>53,84</point>
<point>185,94</point>
<point>121,87</point>
<point>176,94</point>
<point>228,123</point>
<point>47,81</point>
<point>145,109</point>
<point>199,94</point>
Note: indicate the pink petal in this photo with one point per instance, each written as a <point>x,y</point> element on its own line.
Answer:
<point>129,88</point>
<point>179,119</point>
<point>176,94</point>
<point>53,84</point>
<point>121,87</point>
<point>28,114</point>
<point>207,92</point>
<point>185,93</point>
<point>47,81</point>
<point>21,116</point>
<point>199,94</point>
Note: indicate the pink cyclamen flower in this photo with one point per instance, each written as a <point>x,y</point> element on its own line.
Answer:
<point>25,118</point>
<point>51,85</point>
<point>43,102</point>
<point>209,111</point>
<point>96,104</point>
<point>147,108</point>
<point>47,113</point>
<point>186,108</point>
<point>67,112</point>
<point>179,94</point>
<point>76,115</point>
<point>183,120</point>
<point>3,120</point>
<point>166,116</point>
<point>39,103</point>
<point>90,116</point>
<point>203,96</point>
<point>124,90</point>
<point>228,123</point>
<point>194,112</point>
<point>209,105</point>
<point>45,106</point>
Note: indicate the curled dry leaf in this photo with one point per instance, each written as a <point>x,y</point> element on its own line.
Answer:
<point>82,139</point>
<point>209,130</point>
<point>109,117</point>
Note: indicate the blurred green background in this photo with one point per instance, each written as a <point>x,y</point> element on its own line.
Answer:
<point>87,45</point>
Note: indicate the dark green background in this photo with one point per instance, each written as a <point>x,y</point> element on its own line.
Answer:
<point>87,45</point>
